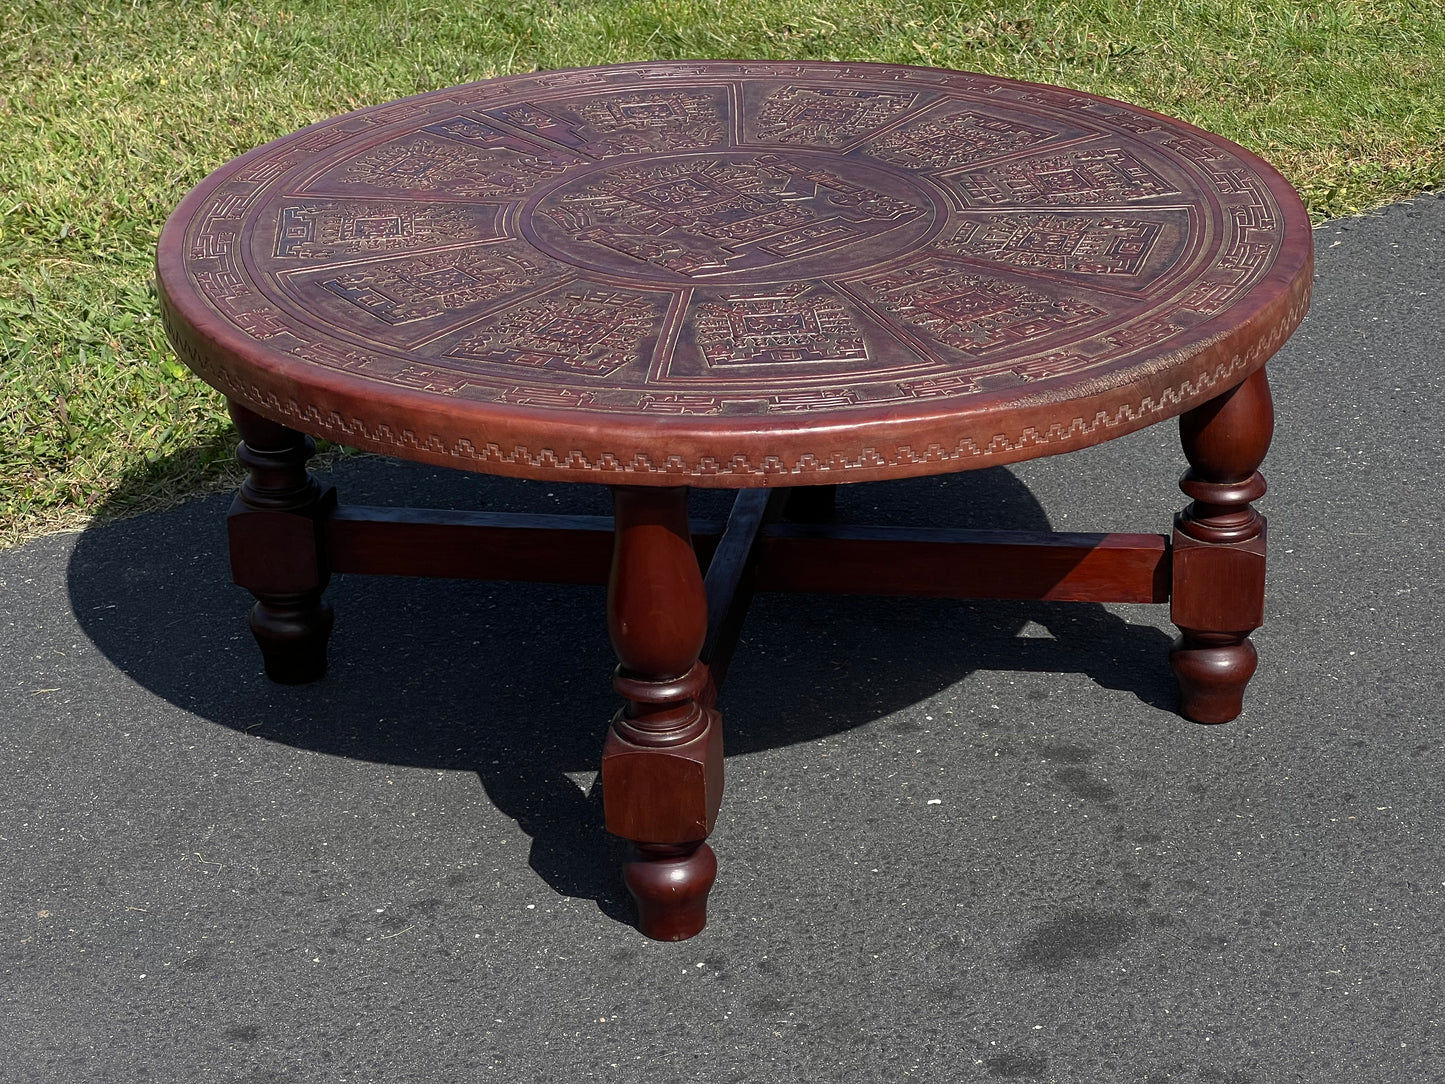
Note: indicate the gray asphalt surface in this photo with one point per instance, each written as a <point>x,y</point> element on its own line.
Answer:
<point>960,842</point>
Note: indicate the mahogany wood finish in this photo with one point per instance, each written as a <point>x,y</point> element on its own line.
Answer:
<point>769,276</point>
<point>276,552</point>
<point>944,563</point>
<point>1219,550</point>
<point>752,553</point>
<point>469,545</point>
<point>662,764</point>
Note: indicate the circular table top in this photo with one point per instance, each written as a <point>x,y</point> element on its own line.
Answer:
<point>735,273</point>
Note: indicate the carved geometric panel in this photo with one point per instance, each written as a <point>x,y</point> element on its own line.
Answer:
<point>719,215</point>
<point>824,117</point>
<point>974,313</point>
<point>477,132</point>
<point>317,229</point>
<point>956,139</point>
<point>1080,176</point>
<point>1115,245</point>
<point>607,125</point>
<point>427,285</point>
<point>593,330</point>
<point>489,165</point>
<point>792,324</point>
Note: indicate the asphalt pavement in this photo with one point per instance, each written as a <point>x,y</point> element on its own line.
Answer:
<point>959,842</point>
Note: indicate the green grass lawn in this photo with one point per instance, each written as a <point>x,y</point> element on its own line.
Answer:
<point>110,111</point>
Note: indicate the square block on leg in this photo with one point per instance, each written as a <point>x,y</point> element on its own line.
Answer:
<point>667,794</point>
<point>1218,586</point>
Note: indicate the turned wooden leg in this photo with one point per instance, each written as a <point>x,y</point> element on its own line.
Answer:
<point>277,553</point>
<point>1219,550</point>
<point>662,767</point>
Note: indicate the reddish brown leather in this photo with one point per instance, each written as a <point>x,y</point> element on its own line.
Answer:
<point>735,273</point>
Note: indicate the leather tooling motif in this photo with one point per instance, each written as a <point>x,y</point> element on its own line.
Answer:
<point>787,325</point>
<point>589,331</point>
<point>957,140</point>
<point>327,228</point>
<point>974,313</point>
<point>427,285</point>
<point>604,126</point>
<point>713,215</point>
<point>1102,175</point>
<point>491,167</point>
<point>1089,244</point>
<point>824,117</point>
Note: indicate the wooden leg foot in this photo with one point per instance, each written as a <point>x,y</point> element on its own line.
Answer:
<point>1212,670</point>
<point>1218,550</point>
<point>276,529</point>
<point>292,634</point>
<point>662,763</point>
<point>670,885</point>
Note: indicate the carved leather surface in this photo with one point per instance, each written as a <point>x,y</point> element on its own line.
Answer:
<point>728,273</point>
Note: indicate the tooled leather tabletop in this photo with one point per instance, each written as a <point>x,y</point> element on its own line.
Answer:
<point>735,273</point>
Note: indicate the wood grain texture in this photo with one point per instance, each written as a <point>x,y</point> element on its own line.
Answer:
<point>1217,598</point>
<point>275,530</point>
<point>662,763</point>
<point>945,563</point>
<point>755,554</point>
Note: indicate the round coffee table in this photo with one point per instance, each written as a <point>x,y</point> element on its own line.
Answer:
<point>772,277</point>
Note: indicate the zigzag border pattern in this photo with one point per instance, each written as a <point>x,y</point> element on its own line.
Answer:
<point>464,453</point>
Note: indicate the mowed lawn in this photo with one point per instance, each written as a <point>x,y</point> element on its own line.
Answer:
<point>110,111</point>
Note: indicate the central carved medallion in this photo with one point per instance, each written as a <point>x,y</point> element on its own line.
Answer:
<point>733,216</point>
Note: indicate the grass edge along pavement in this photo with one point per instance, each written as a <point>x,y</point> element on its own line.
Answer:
<point>110,112</point>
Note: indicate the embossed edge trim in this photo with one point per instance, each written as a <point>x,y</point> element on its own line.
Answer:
<point>866,463</point>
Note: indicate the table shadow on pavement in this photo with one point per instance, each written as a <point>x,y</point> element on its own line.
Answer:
<point>511,681</point>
